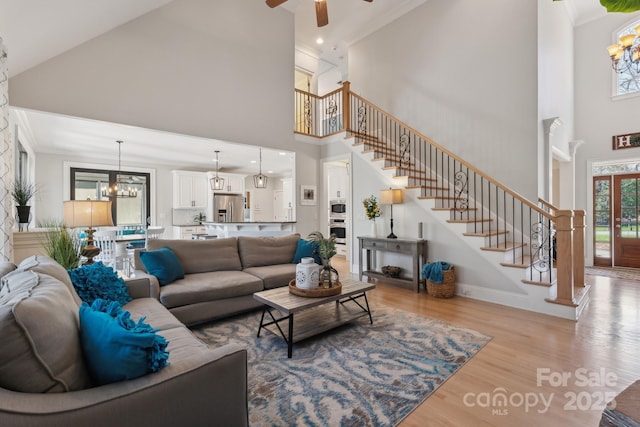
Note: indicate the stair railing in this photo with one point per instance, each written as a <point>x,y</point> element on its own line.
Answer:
<point>509,222</point>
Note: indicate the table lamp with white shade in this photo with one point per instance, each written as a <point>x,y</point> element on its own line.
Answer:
<point>88,213</point>
<point>392,196</point>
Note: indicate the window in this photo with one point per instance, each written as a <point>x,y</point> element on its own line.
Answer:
<point>89,183</point>
<point>627,81</point>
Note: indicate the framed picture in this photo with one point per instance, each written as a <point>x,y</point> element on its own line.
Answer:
<point>308,195</point>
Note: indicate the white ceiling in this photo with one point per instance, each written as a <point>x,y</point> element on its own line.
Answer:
<point>36,30</point>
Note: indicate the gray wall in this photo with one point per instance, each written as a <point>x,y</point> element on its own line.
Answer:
<point>463,73</point>
<point>220,69</point>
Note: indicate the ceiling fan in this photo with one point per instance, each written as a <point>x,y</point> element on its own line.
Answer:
<point>322,17</point>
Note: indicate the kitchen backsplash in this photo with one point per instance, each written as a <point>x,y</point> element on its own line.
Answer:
<point>186,216</point>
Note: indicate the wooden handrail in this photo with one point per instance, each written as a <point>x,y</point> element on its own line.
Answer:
<point>548,205</point>
<point>503,187</point>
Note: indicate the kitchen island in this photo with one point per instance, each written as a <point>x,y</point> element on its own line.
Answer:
<point>231,229</point>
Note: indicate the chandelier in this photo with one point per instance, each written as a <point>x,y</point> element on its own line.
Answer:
<point>626,54</point>
<point>217,183</point>
<point>260,180</point>
<point>122,188</point>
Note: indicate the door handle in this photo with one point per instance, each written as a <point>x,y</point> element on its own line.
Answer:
<point>617,225</point>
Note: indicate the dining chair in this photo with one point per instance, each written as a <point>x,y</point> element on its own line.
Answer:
<point>106,241</point>
<point>154,232</point>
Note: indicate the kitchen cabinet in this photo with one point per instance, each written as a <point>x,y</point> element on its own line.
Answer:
<point>185,232</point>
<point>338,182</point>
<point>233,183</point>
<point>189,189</point>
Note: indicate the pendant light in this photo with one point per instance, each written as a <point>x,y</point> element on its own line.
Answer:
<point>122,188</point>
<point>260,180</point>
<point>216,182</point>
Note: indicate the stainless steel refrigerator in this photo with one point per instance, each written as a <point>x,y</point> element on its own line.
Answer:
<point>228,207</point>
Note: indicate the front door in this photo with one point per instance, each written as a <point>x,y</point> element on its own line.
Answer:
<point>626,214</point>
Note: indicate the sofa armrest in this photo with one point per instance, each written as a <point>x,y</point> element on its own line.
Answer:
<point>143,285</point>
<point>207,389</point>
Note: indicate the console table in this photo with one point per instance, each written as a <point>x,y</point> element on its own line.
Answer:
<point>416,248</point>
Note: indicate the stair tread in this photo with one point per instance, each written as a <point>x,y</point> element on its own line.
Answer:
<point>509,246</point>
<point>452,209</point>
<point>420,178</point>
<point>427,187</point>
<point>487,233</point>
<point>468,221</point>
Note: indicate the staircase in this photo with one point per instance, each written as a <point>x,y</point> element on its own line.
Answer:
<point>535,245</point>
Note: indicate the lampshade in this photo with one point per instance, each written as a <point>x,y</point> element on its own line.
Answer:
<point>392,196</point>
<point>87,213</point>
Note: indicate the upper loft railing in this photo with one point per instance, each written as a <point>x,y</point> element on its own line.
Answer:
<point>507,221</point>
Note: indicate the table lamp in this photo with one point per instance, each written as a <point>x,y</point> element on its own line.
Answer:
<point>392,196</point>
<point>88,213</point>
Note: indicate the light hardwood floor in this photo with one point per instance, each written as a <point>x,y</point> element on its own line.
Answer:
<point>598,356</point>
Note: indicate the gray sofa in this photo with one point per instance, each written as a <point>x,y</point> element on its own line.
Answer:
<point>221,275</point>
<point>44,380</point>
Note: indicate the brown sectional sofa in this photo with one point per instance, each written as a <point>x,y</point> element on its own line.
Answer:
<point>44,381</point>
<point>221,275</point>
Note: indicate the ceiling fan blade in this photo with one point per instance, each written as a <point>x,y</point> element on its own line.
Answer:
<point>274,3</point>
<point>369,1</point>
<point>322,16</point>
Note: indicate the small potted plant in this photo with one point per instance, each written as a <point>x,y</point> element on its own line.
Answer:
<point>22,192</point>
<point>326,250</point>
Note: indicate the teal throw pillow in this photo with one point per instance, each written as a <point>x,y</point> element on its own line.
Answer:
<point>164,264</point>
<point>306,249</point>
<point>116,348</point>
<point>96,280</point>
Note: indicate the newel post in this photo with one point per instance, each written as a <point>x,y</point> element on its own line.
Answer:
<point>564,256</point>
<point>346,105</point>
<point>578,247</point>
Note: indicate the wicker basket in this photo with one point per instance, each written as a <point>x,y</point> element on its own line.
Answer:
<point>447,288</point>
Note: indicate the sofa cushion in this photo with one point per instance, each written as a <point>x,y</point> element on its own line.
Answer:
<point>115,347</point>
<point>96,280</point>
<point>45,265</point>
<point>40,350</point>
<point>259,251</point>
<point>155,313</point>
<point>216,285</point>
<point>200,256</point>
<point>274,276</point>
<point>306,249</point>
<point>162,263</point>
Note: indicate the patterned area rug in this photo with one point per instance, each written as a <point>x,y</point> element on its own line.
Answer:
<point>357,375</point>
<point>619,273</point>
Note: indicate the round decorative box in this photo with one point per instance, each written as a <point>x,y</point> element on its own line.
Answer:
<point>307,274</point>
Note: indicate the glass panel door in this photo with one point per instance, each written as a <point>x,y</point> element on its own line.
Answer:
<point>626,211</point>
<point>602,220</point>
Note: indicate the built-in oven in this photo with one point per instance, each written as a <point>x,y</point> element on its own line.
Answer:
<point>338,208</point>
<point>338,227</point>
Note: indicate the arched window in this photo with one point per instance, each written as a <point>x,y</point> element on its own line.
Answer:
<point>627,80</point>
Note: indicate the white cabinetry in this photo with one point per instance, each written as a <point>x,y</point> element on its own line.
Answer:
<point>233,183</point>
<point>184,232</point>
<point>338,182</point>
<point>189,189</point>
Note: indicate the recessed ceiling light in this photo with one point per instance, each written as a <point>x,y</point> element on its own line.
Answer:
<point>253,161</point>
<point>319,40</point>
<point>282,153</point>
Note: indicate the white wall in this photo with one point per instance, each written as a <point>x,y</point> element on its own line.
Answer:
<point>598,115</point>
<point>220,69</point>
<point>463,73</point>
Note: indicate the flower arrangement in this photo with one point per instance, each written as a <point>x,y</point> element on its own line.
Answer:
<point>326,246</point>
<point>371,207</point>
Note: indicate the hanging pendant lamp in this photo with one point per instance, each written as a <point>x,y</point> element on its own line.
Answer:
<point>122,188</point>
<point>260,180</point>
<point>216,182</point>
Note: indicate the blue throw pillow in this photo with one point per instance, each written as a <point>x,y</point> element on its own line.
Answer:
<point>99,281</point>
<point>164,264</point>
<point>116,348</point>
<point>306,249</point>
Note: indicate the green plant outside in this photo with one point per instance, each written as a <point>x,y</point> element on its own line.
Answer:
<point>603,234</point>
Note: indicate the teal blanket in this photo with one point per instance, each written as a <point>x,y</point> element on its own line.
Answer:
<point>433,271</point>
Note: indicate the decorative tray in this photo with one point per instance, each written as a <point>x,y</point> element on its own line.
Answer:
<point>316,292</point>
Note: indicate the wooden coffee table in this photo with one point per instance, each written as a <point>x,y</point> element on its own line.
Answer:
<point>313,315</point>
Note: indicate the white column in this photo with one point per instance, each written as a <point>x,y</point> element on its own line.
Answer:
<point>549,125</point>
<point>6,162</point>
